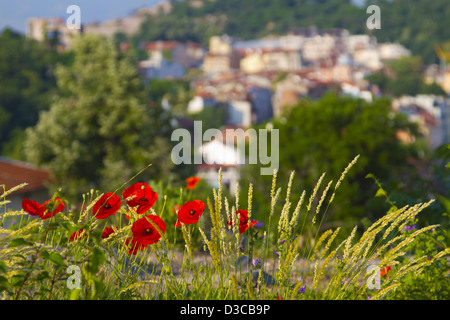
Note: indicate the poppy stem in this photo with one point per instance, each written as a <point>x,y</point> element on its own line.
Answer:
<point>123,185</point>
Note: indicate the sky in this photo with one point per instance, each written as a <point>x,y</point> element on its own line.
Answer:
<point>14,13</point>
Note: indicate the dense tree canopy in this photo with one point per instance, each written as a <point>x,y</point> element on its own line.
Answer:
<point>26,84</point>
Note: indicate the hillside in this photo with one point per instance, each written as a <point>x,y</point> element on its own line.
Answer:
<point>417,24</point>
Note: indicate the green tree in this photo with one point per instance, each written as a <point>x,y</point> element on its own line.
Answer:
<point>99,131</point>
<point>404,77</point>
<point>26,85</point>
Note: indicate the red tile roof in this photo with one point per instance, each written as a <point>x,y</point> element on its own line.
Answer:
<point>13,173</point>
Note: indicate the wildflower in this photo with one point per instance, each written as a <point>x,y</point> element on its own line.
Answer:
<point>258,224</point>
<point>145,233</point>
<point>243,221</point>
<point>140,196</point>
<point>32,207</point>
<point>303,289</point>
<point>190,212</point>
<point>282,242</point>
<point>191,182</point>
<point>77,235</point>
<point>409,228</point>
<point>45,211</point>
<point>385,271</point>
<point>106,206</point>
<point>51,208</point>
<point>107,232</point>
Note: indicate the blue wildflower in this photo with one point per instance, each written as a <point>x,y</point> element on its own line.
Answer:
<point>258,224</point>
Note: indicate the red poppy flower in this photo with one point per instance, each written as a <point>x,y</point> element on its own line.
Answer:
<point>143,197</point>
<point>107,232</point>
<point>385,271</point>
<point>190,212</point>
<point>145,233</point>
<point>243,221</point>
<point>32,207</point>
<point>51,207</point>
<point>132,246</point>
<point>191,182</point>
<point>77,235</point>
<point>106,206</point>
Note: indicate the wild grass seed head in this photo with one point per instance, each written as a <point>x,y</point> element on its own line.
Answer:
<point>330,241</point>
<point>274,182</point>
<point>405,242</point>
<point>346,170</point>
<point>13,189</point>
<point>348,242</point>
<point>318,274</point>
<point>296,213</point>
<point>250,198</point>
<point>319,242</point>
<point>385,291</point>
<point>324,194</point>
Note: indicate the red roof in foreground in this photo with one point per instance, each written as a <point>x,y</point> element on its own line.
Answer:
<point>13,173</point>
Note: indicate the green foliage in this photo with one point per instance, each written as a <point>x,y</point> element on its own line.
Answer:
<point>405,78</point>
<point>329,131</point>
<point>211,117</point>
<point>433,283</point>
<point>176,27</point>
<point>176,93</point>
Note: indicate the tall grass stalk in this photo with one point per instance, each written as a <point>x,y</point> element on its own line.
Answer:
<point>309,262</point>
